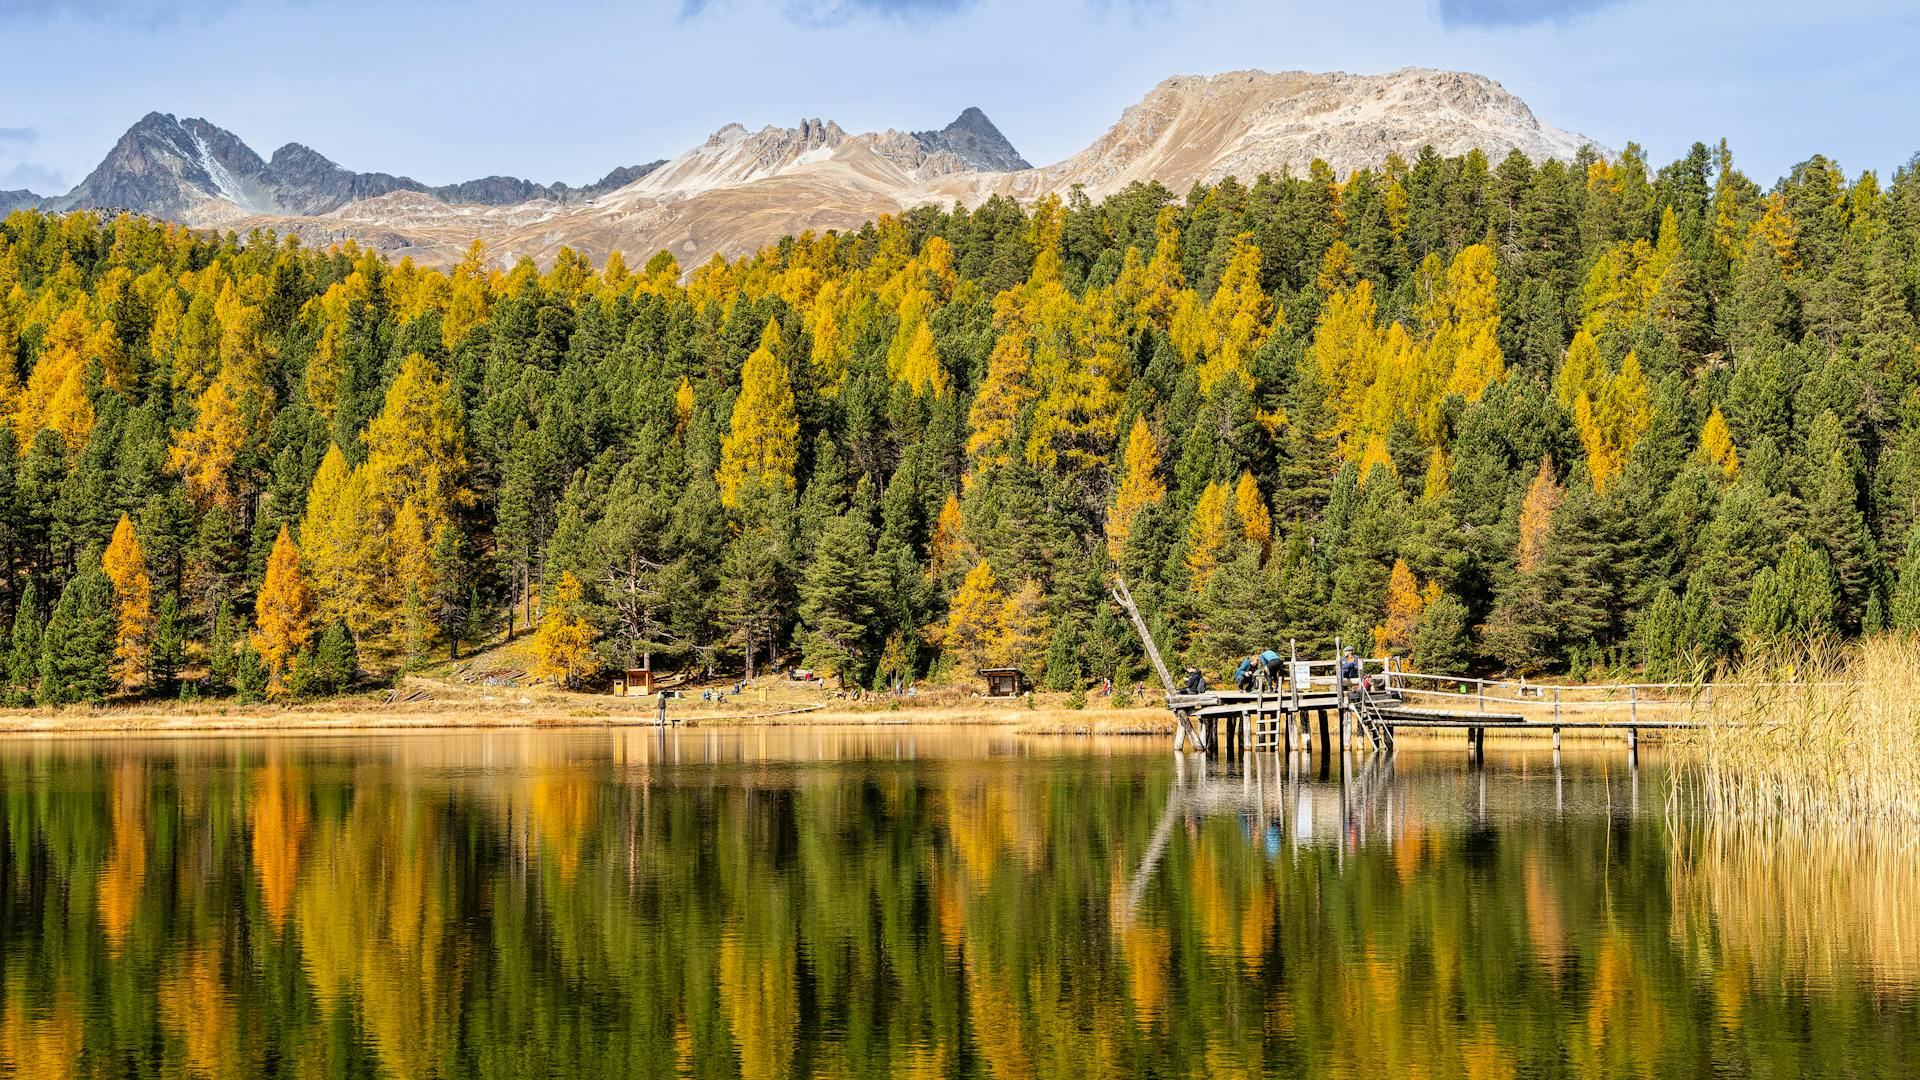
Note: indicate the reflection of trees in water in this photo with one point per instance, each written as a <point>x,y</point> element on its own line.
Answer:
<point>568,914</point>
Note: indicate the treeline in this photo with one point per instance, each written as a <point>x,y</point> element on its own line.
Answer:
<point>1522,417</point>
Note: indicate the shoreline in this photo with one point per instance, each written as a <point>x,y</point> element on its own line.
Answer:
<point>558,712</point>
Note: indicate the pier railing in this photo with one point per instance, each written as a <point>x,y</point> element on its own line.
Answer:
<point>1660,699</point>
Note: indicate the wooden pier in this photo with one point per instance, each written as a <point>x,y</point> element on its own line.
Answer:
<point>1314,701</point>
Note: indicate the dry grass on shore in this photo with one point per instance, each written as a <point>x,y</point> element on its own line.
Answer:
<point>1832,735</point>
<point>428,702</point>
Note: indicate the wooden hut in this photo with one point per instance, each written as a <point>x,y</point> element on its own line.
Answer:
<point>634,682</point>
<point>1005,682</point>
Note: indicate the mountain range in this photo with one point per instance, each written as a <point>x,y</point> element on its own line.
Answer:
<point>742,189</point>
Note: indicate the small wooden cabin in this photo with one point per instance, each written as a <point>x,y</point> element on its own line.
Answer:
<point>633,682</point>
<point>1005,682</point>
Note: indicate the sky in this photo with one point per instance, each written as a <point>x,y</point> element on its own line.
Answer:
<point>448,90</point>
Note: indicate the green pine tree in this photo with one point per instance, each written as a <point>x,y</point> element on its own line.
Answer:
<point>839,597</point>
<point>76,652</point>
<point>23,662</point>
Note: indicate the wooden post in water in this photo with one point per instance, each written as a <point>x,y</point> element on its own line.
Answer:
<point>1633,701</point>
<point>1556,717</point>
<point>1340,690</point>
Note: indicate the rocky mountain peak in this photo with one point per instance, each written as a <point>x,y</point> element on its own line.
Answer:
<point>974,140</point>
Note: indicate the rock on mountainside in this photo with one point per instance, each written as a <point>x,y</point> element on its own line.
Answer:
<point>743,189</point>
<point>195,172</point>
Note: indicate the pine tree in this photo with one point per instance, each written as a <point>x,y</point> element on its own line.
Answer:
<point>221,646</point>
<point>1442,639</point>
<point>23,661</point>
<point>283,612</point>
<point>839,598</point>
<point>169,644</point>
<point>1905,613</point>
<point>126,567</point>
<point>76,651</point>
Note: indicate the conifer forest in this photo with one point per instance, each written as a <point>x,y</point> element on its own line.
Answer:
<point>1595,417</point>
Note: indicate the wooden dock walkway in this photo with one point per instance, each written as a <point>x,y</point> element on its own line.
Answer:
<point>1319,697</point>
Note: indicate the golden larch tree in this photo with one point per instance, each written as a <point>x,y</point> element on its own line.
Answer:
<point>125,565</point>
<point>1256,522</point>
<point>563,646</point>
<point>340,542</point>
<point>1140,486</point>
<point>1238,319</point>
<point>1208,535</point>
<point>55,395</point>
<point>763,442</point>
<point>1716,445</point>
<point>948,548</point>
<point>976,623</point>
<point>1544,496</point>
<point>283,612</point>
<point>205,452</point>
<point>1394,636</point>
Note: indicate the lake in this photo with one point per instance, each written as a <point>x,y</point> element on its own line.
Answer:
<point>895,901</point>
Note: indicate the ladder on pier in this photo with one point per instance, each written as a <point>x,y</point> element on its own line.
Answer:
<point>1371,721</point>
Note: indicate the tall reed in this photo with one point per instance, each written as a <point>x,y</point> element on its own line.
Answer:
<point>1826,733</point>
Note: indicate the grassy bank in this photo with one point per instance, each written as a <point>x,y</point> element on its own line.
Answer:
<point>1829,737</point>
<point>440,701</point>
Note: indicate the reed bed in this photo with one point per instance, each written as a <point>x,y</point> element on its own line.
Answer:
<point>1830,733</point>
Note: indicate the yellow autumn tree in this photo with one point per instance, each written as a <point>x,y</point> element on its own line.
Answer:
<point>1208,535</point>
<point>204,453</point>
<point>949,547</point>
<point>1346,356</point>
<point>55,395</point>
<point>563,646</point>
<point>1140,487</point>
<point>763,443</point>
<point>1544,495</point>
<point>1256,523</point>
<point>1776,228</point>
<point>1612,424</point>
<point>1394,636</point>
<point>682,406</point>
<point>283,612</point>
<point>1238,319</point>
<point>911,358</point>
<point>1716,445</point>
<point>1024,625</point>
<point>1438,481</point>
<point>125,565</point>
<point>340,544</point>
<point>415,481</point>
<point>976,625</point>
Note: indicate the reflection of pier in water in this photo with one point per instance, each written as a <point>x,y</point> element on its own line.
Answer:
<point>1286,804</point>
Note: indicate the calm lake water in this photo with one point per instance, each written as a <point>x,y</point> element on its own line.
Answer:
<point>910,902</point>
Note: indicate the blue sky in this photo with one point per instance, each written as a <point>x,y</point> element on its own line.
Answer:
<point>446,90</point>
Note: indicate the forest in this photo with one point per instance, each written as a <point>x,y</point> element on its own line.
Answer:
<point>1583,417</point>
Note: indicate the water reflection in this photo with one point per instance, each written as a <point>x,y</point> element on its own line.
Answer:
<point>785,902</point>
